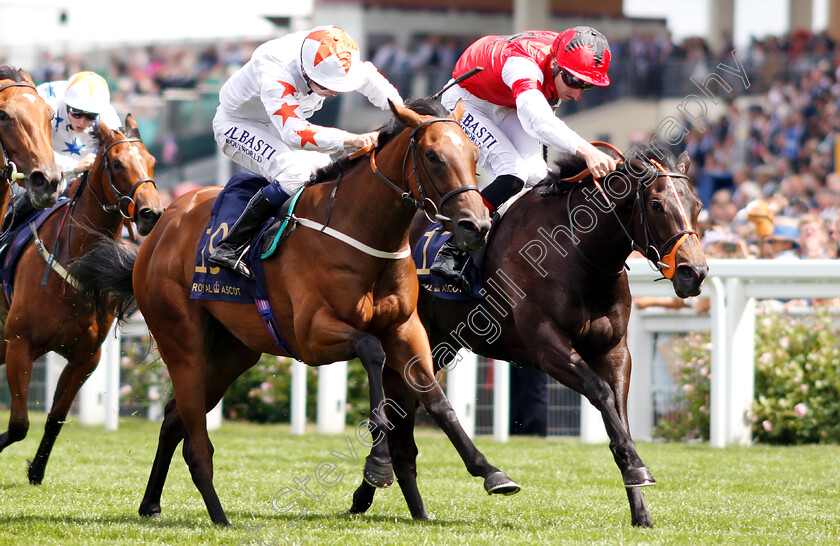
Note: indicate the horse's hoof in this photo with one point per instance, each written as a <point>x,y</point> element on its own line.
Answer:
<point>638,477</point>
<point>150,512</point>
<point>499,483</point>
<point>35,475</point>
<point>378,474</point>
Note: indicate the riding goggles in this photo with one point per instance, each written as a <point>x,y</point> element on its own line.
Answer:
<point>572,82</point>
<point>79,114</point>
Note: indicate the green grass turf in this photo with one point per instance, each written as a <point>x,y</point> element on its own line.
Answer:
<point>572,493</point>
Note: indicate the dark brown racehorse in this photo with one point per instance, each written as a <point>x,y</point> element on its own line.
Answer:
<point>558,298</point>
<point>332,300</point>
<point>54,316</point>
<point>26,153</point>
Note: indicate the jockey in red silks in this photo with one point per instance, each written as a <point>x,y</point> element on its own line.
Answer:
<point>510,106</point>
<point>261,122</point>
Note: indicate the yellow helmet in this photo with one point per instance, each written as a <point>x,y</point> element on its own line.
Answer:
<point>87,91</point>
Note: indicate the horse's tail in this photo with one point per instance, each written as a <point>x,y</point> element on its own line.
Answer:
<point>104,276</point>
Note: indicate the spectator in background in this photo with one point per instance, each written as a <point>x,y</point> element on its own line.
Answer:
<point>783,243</point>
<point>813,237</point>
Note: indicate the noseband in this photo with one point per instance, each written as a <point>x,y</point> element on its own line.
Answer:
<point>121,197</point>
<point>9,169</point>
<point>424,201</point>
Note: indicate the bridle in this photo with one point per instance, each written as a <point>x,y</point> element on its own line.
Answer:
<point>660,257</point>
<point>121,197</point>
<point>407,194</point>
<point>9,169</point>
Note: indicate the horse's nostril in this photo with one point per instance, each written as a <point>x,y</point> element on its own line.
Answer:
<point>469,227</point>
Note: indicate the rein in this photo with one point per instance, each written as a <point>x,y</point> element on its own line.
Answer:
<point>664,263</point>
<point>406,194</point>
<point>9,169</point>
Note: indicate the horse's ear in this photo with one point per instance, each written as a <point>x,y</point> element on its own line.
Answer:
<point>104,130</point>
<point>458,111</point>
<point>407,117</point>
<point>25,75</point>
<point>131,127</point>
<point>683,162</point>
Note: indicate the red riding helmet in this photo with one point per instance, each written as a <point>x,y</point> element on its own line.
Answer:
<point>584,53</point>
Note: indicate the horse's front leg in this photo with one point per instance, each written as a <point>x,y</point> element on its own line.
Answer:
<point>410,355</point>
<point>557,358</point>
<point>72,377</point>
<point>615,368</point>
<point>19,357</point>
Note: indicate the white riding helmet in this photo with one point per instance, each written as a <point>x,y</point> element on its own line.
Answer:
<point>332,59</point>
<point>87,91</point>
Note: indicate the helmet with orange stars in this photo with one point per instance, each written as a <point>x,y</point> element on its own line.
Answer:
<point>331,58</point>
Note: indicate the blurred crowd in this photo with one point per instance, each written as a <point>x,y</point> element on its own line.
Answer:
<point>765,168</point>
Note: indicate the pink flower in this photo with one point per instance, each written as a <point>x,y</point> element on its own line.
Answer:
<point>125,389</point>
<point>784,342</point>
<point>768,426</point>
<point>688,388</point>
<point>265,386</point>
<point>800,409</point>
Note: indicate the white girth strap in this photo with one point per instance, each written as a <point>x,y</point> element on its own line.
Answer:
<point>370,251</point>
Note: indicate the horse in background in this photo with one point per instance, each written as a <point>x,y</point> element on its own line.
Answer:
<point>26,152</point>
<point>46,311</point>
<point>339,293</point>
<point>558,298</point>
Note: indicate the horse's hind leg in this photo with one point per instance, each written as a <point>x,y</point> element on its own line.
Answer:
<point>171,434</point>
<point>73,376</point>
<point>230,359</point>
<point>378,470</point>
<point>400,448</point>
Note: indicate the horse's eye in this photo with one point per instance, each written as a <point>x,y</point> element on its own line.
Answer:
<point>432,156</point>
<point>656,206</point>
<point>4,116</point>
<point>117,164</point>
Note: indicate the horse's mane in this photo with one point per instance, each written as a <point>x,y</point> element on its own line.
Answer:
<point>570,165</point>
<point>424,107</point>
<point>9,72</point>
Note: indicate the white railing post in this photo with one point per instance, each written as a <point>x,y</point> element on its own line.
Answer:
<point>740,376</point>
<point>501,400</point>
<point>298,402</point>
<point>214,417</point>
<point>640,397</point>
<point>719,365</point>
<point>55,365</point>
<point>92,398</point>
<point>332,398</point>
<point>110,360</point>
<point>592,429</point>
<point>461,388</point>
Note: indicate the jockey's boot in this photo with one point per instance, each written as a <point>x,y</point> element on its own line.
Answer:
<point>450,263</point>
<point>21,210</point>
<point>230,252</point>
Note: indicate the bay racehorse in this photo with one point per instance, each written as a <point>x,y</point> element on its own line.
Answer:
<point>333,299</point>
<point>558,298</point>
<point>47,312</point>
<point>26,152</point>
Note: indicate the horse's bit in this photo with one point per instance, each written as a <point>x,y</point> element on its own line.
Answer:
<point>406,195</point>
<point>9,170</point>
